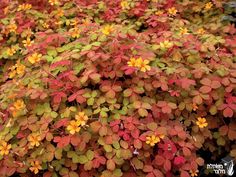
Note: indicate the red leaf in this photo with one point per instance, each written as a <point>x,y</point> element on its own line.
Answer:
<point>206,81</point>
<point>57,96</point>
<point>186,83</point>
<point>167,165</point>
<point>184,174</point>
<point>223,130</point>
<point>135,133</point>
<point>62,141</point>
<point>75,140</point>
<point>186,151</point>
<point>158,173</point>
<point>80,99</point>
<point>228,112</point>
<point>111,165</point>
<point>60,63</point>
<point>147,168</point>
<point>150,175</point>
<point>72,97</point>
<point>159,160</point>
<point>179,160</point>
<point>95,126</point>
<point>137,144</point>
<point>61,122</point>
<point>215,84</point>
<point>47,174</point>
<point>166,109</point>
<point>205,89</point>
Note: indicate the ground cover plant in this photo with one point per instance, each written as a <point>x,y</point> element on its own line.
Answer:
<point>116,88</point>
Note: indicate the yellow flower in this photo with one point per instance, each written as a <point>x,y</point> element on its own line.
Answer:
<point>53,2</point>
<point>35,166</point>
<point>28,32</point>
<point>201,31</point>
<point>24,7</point>
<point>183,31</point>
<point>166,44</point>
<point>124,5</point>
<point>34,58</point>
<point>81,118</point>
<point>34,139</point>
<point>152,140</point>
<point>201,122</point>
<point>172,11</point>
<point>138,62</point>
<point>59,22</point>
<point>144,66</point>
<point>67,22</point>
<point>75,32</point>
<point>12,74</point>
<point>20,69</point>
<point>19,104</point>
<point>12,28</point>
<point>11,51</point>
<point>159,12</point>
<point>44,24</point>
<point>60,13</point>
<point>74,22</point>
<point>208,6</point>
<point>132,62</point>
<point>27,42</point>
<point>107,29</point>
<point>86,22</point>
<point>194,173</point>
<point>73,127</point>
<point>4,148</point>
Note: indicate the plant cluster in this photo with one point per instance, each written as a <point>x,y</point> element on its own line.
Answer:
<point>115,88</point>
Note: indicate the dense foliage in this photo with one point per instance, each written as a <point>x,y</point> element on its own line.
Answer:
<point>115,88</point>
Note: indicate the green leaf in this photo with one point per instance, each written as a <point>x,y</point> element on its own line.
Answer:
<point>142,112</point>
<point>97,44</point>
<point>90,155</point>
<point>87,47</point>
<point>48,58</point>
<point>221,141</point>
<point>93,36</point>
<point>213,110</point>
<point>73,174</point>
<point>54,114</point>
<point>90,101</point>
<point>15,130</point>
<point>52,52</point>
<point>78,68</point>
<point>70,154</point>
<point>117,172</point>
<point>94,93</point>
<point>116,145</point>
<point>103,114</point>
<point>107,148</point>
<point>82,159</point>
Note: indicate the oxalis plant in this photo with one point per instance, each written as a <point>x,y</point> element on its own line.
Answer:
<point>102,88</point>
